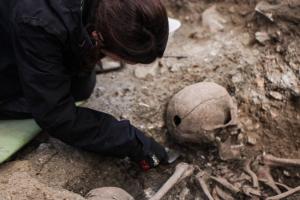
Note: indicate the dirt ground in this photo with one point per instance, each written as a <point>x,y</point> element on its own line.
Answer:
<point>262,75</point>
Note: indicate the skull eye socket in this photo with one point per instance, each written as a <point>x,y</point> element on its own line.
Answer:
<point>177,120</point>
<point>227,116</point>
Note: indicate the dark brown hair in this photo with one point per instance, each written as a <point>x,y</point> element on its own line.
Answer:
<point>135,30</point>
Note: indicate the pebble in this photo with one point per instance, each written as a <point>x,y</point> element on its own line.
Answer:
<point>286,173</point>
<point>212,19</point>
<point>262,37</point>
<point>144,72</point>
<point>251,140</point>
<point>276,95</point>
<point>208,164</point>
<point>246,39</point>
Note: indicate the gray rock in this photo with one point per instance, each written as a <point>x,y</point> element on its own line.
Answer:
<point>276,95</point>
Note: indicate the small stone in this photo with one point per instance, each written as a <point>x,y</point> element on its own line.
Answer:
<point>260,83</point>
<point>262,37</point>
<point>144,105</point>
<point>109,64</point>
<point>149,192</point>
<point>286,173</point>
<point>251,140</point>
<point>246,39</point>
<point>276,95</point>
<point>144,72</point>
<point>99,91</point>
<point>212,19</point>
<point>274,114</point>
<point>240,138</point>
<point>232,9</point>
<point>151,127</point>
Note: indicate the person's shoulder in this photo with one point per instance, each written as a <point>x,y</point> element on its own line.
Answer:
<point>55,16</point>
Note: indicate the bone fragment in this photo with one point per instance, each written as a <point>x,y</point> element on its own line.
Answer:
<point>264,173</point>
<point>182,171</point>
<point>248,170</point>
<point>280,162</point>
<point>222,194</point>
<point>252,192</point>
<point>285,194</point>
<point>184,193</point>
<point>202,178</point>
<point>226,184</point>
<point>227,151</point>
<point>215,195</point>
<point>266,182</point>
<point>286,10</point>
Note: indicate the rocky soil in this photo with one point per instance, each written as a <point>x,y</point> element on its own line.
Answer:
<point>257,59</point>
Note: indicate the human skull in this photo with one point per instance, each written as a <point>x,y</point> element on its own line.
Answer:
<point>200,113</point>
<point>108,193</point>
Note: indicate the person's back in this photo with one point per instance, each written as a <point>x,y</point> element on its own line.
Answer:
<point>47,59</point>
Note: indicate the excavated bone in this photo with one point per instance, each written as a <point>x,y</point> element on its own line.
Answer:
<point>264,172</point>
<point>282,162</point>
<point>247,169</point>
<point>182,171</point>
<point>202,178</point>
<point>222,194</point>
<point>108,193</point>
<point>285,194</point>
<point>223,182</point>
<point>288,10</point>
<point>201,111</point>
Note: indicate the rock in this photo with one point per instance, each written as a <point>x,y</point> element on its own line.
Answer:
<point>251,140</point>
<point>286,173</point>
<point>246,39</point>
<point>99,91</point>
<point>263,8</point>
<point>262,37</point>
<point>144,72</point>
<point>260,83</point>
<point>212,19</point>
<point>109,64</point>
<point>149,192</point>
<point>276,95</point>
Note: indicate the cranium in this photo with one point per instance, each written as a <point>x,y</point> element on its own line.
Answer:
<point>109,193</point>
<point>203,113</point>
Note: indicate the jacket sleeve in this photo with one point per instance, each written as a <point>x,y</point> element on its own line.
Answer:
<point>46,86</point>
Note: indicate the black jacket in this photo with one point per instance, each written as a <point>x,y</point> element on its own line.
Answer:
<point>42,43</point>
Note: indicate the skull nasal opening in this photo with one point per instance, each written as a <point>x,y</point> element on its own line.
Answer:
<point>177,120</point>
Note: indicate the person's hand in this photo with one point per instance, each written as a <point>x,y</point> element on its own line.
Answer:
<point>157,155</point>
<point>150,156</point>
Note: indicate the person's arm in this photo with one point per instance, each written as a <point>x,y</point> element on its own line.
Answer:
<point>46,86</point>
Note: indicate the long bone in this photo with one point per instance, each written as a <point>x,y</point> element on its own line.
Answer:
<point>280,162</point>
<point>222,194</point>
<point>182,171</point>
<point>264,172</point>
<point>285,194</point>
<point>202,178</point>
<point>247,169</point>
<point>223,182</point>
<point>266,182</point>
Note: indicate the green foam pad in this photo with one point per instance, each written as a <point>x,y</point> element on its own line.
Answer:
<point>15,134</point>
